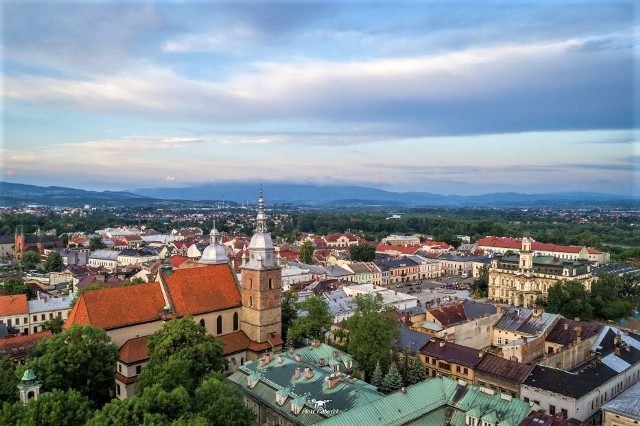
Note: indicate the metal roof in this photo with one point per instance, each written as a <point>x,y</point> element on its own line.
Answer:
<point>626,404</point>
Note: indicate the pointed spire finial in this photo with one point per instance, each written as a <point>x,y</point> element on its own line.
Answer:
<point>261,218</point>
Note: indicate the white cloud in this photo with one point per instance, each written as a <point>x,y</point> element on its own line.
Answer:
<point>228,40</point>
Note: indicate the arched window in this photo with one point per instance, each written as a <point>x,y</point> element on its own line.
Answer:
<point>270,283</point>
<point>235,322</point>
<point>219,325</point>
<point>202,323</point>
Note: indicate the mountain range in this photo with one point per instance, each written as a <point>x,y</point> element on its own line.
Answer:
<point>301,194</point>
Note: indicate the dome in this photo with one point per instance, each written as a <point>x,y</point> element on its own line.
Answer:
<point>214,253</point>
<point>260,241</point>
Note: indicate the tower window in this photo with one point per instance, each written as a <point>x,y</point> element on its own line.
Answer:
<point>235,322</point>
<point>250,283</point>
<point>219,325</point>
<point>270,283</point>
<point>250,301</point>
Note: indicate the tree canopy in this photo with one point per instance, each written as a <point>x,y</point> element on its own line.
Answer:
<point>53,408</point>
<point>95,243</point>
<point>30,259</point>
<point>8,380</point>
<point>80,358</point>
<point>180,353</point>
<point>314,320</point>
<point>371,332</point>
<point>289,312</point>
<point>16,286</point>
<point>306,252</point>
<point>54,262</point>
<point>362,253</point>
<point>569,299</point>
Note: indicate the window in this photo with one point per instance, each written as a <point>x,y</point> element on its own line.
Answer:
<point>202,324</point>
<point>250,301</point>
<point>270,283</point>
<point>17,321</point>
<point>35,318</point>
<point>119,368</point>
<point>458,369</point>
<point>118,389</point>
<point>465,371</point>
<point>138,369</point>
<point>43,317</point>
<point>250,283</point>
<point>565,413</point>
<point>25,320</point>
<point>236,326</point>
<point>552,409</point>
<point>50,315</point>
<point>219,325</point>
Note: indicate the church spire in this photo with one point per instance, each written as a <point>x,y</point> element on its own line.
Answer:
<point>261,225</point>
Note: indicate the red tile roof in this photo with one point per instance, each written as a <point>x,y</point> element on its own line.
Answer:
<point>14,305</point>
<point>134,351</point>
<point>437,244</point>
<point>18,346</point>
<point>117,307</point>
<point>449,315</point>
<point>193,291</point>
<point>516,244</point>
<point>207,289</point>
<point>408,250</point>
<point>234,342</point>
<point>286,254</point>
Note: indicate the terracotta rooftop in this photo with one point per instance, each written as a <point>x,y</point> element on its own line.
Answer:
<point>18,346</point>
<point>193,291</point>
<point>234,342</point>
<point>384,248</point>
<point>134,351</point>
<point>14,305</point>
<point>516,244</point>
<point>447,315</point>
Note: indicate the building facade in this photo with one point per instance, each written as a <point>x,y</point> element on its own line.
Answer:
<point>521,279</point>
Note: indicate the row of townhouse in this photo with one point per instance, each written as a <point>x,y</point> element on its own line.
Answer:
<point>571,370</point>
<point>29,316</point>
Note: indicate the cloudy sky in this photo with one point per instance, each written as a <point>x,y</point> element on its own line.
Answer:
<point>446,97</point>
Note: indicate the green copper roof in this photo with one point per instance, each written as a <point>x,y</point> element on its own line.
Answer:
<point>330,355</point>
<point>28,375</point>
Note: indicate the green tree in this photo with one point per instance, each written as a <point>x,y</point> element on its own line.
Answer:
<point>315,319</point>
<point>480,287</point>
<point>81,358</point>
<point>362,253</point>
<point>16,286</point>
<point>180,354</point>
<point>131,411</point>
<point>30,259</point>
<point>8,380</point>
<point>54,262</point>
<point>377,376</point>
<point>53,408</point>
<point>54,325</point>
<point>289,312</point>
<point>371,332</point>
<point>392,380</point>
<point>95,243</point>
<point>221,404</point>
<point>569,299</point>
<point>306,252</point>
<point>417,372</point>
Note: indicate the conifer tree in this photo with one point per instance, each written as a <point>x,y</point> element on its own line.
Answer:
<point>377,377</point>
<point>416,371</point>
<point>392,380</point>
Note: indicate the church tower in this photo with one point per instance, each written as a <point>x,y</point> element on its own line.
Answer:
<point>261,286</point>
<point>526,255</point>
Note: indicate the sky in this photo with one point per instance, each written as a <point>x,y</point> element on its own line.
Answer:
<point>450,97</point>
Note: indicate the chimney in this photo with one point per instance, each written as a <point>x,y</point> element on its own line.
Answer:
<point>296,373</point>
<point>336,354</point>
<point>442,344</point>
<point>308,373</point>
<point>480,354</point>
<point>279,359</point>
<point>566,326</point>
<point>321,362</point>
<point>296,358</point>
<point>403,390</point>
<point>577,319</point>
<point>332,380</point>
<point>578,330</point>
<point>617,350</point>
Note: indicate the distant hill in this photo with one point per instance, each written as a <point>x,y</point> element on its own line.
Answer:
<point>343,195</point>
<point>12,194</point>
<point>17,193</point>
